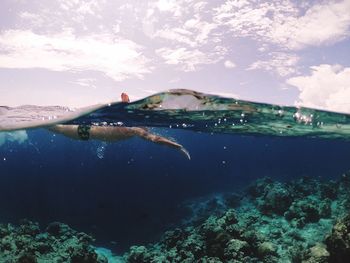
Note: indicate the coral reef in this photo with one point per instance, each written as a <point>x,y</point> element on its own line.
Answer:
<point>58,243</point>
<point>302,221</point>
<point>270,222</point>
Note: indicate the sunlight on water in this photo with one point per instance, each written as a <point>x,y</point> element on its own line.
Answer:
<point>186,109</point>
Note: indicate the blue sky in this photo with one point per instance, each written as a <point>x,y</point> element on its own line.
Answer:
<point>76,53</point>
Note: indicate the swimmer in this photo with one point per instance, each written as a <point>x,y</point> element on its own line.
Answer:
<point>113,134</point>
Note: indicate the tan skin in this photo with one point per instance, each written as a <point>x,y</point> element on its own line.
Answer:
<point>113,134</point>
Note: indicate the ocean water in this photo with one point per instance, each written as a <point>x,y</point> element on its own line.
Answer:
<point>130,192</point>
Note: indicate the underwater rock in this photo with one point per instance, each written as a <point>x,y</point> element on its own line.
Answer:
<point>317,254</point>
<point>83,254</point>
<point>257,188</point>
<point>27,258</point>
<point>27,227</point>
<point>58,229</point>
<point>304,186</point>
<point>236,249</point>
<point>271,197</point>
<point>338,242</point>
<point>200,209</point>
<point>171,238</point>
<point>137,254</point>
<point>27,244</point>
<point>343,190</point>
<point>266,249</point>
<point>276,200</point>
<point>308,210</point>
<point>329,190</point>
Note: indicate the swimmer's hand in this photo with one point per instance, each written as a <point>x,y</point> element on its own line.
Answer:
<point>186,153</point>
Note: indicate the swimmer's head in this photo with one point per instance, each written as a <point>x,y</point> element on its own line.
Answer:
<point>125,97</point>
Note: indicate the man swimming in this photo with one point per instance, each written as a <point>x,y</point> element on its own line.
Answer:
<point>113,134</point>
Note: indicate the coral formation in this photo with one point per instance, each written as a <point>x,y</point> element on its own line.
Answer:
<point>59,243</point>
<point>338,242</point>
<point>302,221</point>
<point>272,222</point>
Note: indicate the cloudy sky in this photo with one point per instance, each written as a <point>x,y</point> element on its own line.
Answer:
<point>76,53</point>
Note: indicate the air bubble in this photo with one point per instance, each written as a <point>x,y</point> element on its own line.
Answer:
<point>101,150</point>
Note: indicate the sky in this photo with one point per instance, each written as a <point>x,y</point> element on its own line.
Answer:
<point>78,53</point>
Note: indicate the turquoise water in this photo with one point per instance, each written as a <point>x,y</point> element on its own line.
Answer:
<point>264,183</point>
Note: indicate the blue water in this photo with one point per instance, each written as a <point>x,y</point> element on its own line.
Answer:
<point>134,189</point>
<point>129,192</point>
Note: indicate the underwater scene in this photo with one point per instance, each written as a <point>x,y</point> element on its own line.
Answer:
<point>179,176</point>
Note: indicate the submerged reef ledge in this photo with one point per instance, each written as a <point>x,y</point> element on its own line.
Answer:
<point>306,220</point>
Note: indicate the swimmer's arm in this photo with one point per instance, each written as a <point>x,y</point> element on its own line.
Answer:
<point>110,134</point>
<point>144,134</point>
<point>121,133</point>
<point>70,131</point>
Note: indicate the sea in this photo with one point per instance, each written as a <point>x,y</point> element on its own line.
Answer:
<point>129,192</point>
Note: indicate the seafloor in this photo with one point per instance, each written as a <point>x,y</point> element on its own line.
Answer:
<point>306,220</point>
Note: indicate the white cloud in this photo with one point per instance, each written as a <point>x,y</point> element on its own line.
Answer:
<point>283,64</point>
<point>177,35</point>
<point>321,24</point>
<point>33,18</point>
<point>86,82</point>
<point>16,136</point>
<point>328,87</point>
<point>189,60</point>
<point>189,26</point>
<point>193,32</point>
<point>229,64</point>
<point>117,58</point>
<point>280,22</point>
<point>201,28</point>
<point>199,6</point>
<point>84,7</point>
<point>169,6</point>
